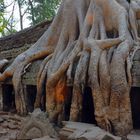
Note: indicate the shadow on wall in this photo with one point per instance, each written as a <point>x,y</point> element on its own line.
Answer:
<point>87,104</point>
<point>8,98</point>
<point>88,107</point>
<point>135,106</point>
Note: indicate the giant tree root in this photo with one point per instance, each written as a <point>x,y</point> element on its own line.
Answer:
<point>98,35</point>
<point>3,63</point>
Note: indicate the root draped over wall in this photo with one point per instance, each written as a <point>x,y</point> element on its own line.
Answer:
<point>90,43</point>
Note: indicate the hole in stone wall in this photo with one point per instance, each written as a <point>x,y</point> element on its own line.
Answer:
<point>87,106</point>
<point>135,106</point>
<point>68,103</point>
<point>87,110</point>
<point>8,98</point>
<point>31,95</point>
<point>88,115</point>
<point>43,99</point>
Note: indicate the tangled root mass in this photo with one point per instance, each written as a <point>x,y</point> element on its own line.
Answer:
<point>101,35</point>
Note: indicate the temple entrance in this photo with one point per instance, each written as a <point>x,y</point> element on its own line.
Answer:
<point>135,105</point>
<point>8,98</point>
<point>31,95</point>
<point>88,107</point>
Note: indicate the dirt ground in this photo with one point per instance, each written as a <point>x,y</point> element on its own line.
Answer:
<point>9,125</point>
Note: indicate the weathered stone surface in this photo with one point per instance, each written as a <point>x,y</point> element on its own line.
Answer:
<point>12,126</point>
<point>12,53</point>
<point>26,36</point>
<point>3,132</point>
<point>5,125</point>
<point>13,45</point>
<point>45,138</point>
<point>34,133</point>
<point>1,120</point>
<point>82,131</point>
<point>29,78</point>
<point>134,135</point>
<point>137,56</point>
<point>36,123</point>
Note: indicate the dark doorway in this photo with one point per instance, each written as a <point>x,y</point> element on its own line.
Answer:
<point>67,105</point>
<point>88,107</point>
<point>8,98</point>
<point>135,106</point>
<point>31,95</point>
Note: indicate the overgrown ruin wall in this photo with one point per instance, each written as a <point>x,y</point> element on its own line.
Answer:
<point>13,45</point>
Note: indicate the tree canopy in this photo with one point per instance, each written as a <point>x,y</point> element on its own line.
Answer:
<point>40,10</point>
<point>33,10</point>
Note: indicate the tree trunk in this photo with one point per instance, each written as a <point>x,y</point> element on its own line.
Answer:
<point>99,35</point>
<point>32,11</point>
<point>20,15</point>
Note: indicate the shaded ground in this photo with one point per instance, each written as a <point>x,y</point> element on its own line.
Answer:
<point>9,125</point>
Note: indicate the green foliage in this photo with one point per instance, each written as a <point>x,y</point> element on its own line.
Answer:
<point>43,9</point>
<point>2,25</point>
<point>7,24</point>
<point>1,6</point>
<point>35,10</point>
